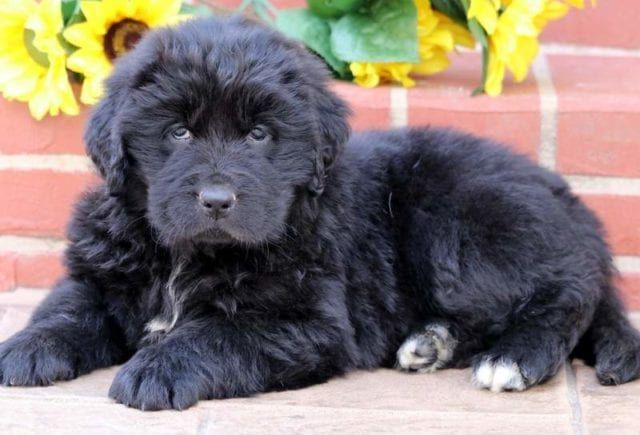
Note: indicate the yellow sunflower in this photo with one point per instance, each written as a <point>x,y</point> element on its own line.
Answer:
<point>32,61</point>
<point>437,36</point>
<point>513,27</point>
<point>112,27</point>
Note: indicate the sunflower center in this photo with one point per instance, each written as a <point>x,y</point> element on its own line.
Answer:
<point>39,57</point>
<point>123,36</point>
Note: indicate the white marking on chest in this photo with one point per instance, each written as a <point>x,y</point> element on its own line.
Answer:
<point>157,324</point>
<point>160,324</point>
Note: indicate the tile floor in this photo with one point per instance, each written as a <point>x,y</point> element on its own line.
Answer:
<point>362,402</point>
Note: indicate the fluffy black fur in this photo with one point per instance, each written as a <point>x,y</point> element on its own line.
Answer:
<point>333,253</point>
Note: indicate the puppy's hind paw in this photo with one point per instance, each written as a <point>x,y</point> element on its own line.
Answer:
<point>427,350</point>
<point>499,375</point>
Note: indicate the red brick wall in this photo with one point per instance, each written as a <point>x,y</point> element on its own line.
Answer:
<point>578,112</point>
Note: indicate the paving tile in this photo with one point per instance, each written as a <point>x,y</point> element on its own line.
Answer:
<point>248,419</point>
<point>607,410</point>
<point>380,401</point>
<point>13,320</point>
<point>443,391</point>
<point>40,415</point>
<point>93,386</point>
<point>361,402</point>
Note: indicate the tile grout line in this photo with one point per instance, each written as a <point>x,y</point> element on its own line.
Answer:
<point>548,112</point>
<point>398,107</point>
<point>577,422</point>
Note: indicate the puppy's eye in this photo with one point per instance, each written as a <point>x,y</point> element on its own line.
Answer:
<point>258,134</point>
<point>181,133</point>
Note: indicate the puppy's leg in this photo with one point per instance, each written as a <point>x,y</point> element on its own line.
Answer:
<point>427,350</point>
<point>214,357</point>
<point>613,342</point>
<point>68,335</point>
<point>529,354</point>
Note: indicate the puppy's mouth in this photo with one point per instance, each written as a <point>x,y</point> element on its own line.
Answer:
<point>213,236</point>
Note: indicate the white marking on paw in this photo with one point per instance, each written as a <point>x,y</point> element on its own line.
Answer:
<point>501,375</point>
<point>443,347</point>
<point>407,358</point>
<point>445,343</point>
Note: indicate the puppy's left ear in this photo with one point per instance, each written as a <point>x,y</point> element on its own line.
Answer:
<point>333,131</point>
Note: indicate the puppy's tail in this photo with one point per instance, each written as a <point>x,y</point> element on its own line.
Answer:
<point>611,344</point>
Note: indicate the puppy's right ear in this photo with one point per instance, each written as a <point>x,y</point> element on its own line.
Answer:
<point>333,132</point>
<point>103,139</point>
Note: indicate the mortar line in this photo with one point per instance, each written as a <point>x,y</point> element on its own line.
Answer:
<point>548,112</point>
<point>627,263</point>
<point>398,107</point>
<point>588,50</point>
<point>54,162</point>
<point>604,185</point>
<point>30,245</point>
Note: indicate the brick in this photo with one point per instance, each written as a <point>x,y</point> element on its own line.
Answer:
<point>7,272</point>
<point>38,202</point>
<point>370,107</point>
<point>38,270</point>
<point>610,23</point>
<point>598,116</point>
<point>445,100</point>
<point>52,135</point>
<point>619,215</point>
<point>629,285</point>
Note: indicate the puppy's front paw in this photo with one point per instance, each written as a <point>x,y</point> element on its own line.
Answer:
<point>33,357</point>
<point>498,375</point>
<point>426,351</point>
<point>152,381</point>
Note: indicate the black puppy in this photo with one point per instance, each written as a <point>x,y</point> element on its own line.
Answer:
<point>239,244</point>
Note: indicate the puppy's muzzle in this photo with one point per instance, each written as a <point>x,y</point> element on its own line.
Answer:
<point>217,201</point>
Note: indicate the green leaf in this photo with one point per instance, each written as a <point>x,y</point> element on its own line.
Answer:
<point>69,9</point>
<point>333,8</point>
<point>481,36</point>
<point>387,32</point>
<point>314,32</point>
<point>187,9</point>
<point>451,8</point>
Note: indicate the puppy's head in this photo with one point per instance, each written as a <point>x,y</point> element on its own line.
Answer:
<point>218,127</point>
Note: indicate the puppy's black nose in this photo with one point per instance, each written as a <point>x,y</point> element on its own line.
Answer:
<point>217,200</point>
